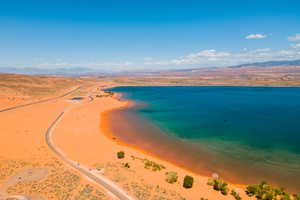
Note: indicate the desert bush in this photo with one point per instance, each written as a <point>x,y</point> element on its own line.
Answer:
<point>121,154</point>
<point>148,164</point>
<point>126,165</point>
<point>171,177</point>
<point>203,198</point>
<point>265,191</point>
<point>188,182</point>
<point>236,195</point>
<point>219,184</point>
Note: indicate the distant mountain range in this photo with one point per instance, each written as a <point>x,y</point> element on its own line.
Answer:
<point>270,64</point>
<point>82,71</point>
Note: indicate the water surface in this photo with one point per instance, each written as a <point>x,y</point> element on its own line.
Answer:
<point>246,134</point>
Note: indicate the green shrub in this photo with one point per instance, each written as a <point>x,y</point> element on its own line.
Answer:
<point>224,191</point>
<point>188,182</point>
<point>219,185</point>
<point>121,154</point>
<point>235,195</point>
<point>126,165</point>
<point>148,164</point>
<point>171,177</point>
<point>265,191</point>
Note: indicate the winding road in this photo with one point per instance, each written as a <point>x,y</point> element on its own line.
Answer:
<point>101,180</point>
<point>112,189</point>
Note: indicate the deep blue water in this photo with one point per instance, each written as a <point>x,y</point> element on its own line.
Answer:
<point>257,124</point>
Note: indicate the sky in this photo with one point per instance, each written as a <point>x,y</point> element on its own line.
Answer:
<point>113,35</point>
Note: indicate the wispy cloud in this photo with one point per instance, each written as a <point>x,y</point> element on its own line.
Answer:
<point>148,58</point>
<point>202,58</point>
<point>255,36</point>
<point>295,45</point>
<point>216,58</point>
<point>294,38</point>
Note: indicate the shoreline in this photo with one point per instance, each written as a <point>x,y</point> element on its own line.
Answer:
<point>109,134</point>
<point>203,169</point>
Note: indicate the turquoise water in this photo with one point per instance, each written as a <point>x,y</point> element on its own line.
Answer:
<point>256,130</point>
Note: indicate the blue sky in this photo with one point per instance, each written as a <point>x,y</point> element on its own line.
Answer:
<point>137,34</point>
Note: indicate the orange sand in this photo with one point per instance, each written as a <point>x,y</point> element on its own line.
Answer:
<point>79,136</point>
<point>82,139</point>
<point>22,134</point>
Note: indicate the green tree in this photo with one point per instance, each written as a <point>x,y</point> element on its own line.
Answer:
<point>188,182</point>
<point>171,177</point>
<point>121,154</point>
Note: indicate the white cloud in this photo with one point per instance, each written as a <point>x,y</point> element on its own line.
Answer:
<point>148,58</point>
<point>262,50</point>
<point>255,36</point>
<point>294,38</point>
<point>216,58</point>
<point>295,45</point>
<point>203,58</point>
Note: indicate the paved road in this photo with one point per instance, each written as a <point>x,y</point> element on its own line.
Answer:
<point>110,186</point>
<point>41,101</point>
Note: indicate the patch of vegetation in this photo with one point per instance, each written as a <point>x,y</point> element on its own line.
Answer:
<point>203,198</point>
<point>236,195</point>
<point>121,154</point>
<point>141,191</point>
<point>265,191</point>
<point>126,165</point>
<point>148,164</point>
<point>59,184</point>
<point>171,177</point>
<point>188,182</point>
<point>153,165</point>
<point>88,192</point>
<point>9,167</point>
<point>219,185</point>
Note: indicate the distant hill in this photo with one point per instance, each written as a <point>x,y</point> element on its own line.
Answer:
<point>78,71</point>
<point>83,71</point>
<point>270,64</point>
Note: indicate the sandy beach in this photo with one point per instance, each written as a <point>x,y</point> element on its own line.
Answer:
<point>85,136</point>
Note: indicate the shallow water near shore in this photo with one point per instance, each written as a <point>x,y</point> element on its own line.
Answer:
<point>245,134</point>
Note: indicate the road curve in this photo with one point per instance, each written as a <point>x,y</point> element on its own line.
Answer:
<point>41,101</point>
<point>98,178</point>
